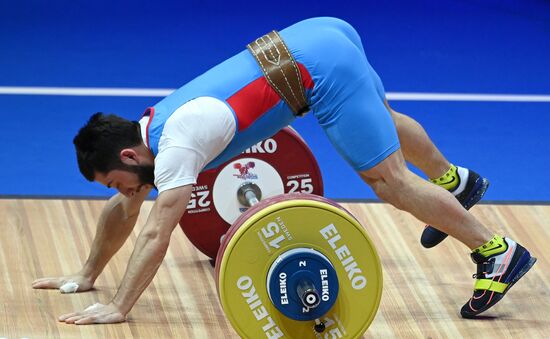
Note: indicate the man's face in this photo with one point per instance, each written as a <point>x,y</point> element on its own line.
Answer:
<point>129,179</point>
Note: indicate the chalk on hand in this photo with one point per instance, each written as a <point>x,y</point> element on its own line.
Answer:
<point>70,287</point>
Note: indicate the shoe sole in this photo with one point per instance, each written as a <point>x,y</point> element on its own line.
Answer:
<point>478,194</point>
<point>434,236</point>
<point>498,297</point>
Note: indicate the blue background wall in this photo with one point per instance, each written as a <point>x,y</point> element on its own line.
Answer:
<point>446,46</point>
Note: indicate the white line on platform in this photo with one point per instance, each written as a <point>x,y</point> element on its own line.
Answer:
<point>88,91</point>
<point>162,92</point>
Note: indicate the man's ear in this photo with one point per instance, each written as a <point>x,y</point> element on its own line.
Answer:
<point>129,156</point>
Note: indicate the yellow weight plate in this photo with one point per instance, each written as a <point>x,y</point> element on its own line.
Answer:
<point>277,228</point>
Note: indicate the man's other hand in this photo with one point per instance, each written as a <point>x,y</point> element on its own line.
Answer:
<point>68,284</point>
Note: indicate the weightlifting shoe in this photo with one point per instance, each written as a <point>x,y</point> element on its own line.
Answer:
<point>473,191</point>
<point>498,269</point>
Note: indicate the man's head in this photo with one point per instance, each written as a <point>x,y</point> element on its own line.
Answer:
<point>110,150</point>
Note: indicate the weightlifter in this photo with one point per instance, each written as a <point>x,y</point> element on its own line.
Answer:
<point>316,65</point>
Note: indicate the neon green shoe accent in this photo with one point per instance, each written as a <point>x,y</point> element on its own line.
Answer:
<point>449,180</point>
<point>496,245</point>
<point>490,285</point>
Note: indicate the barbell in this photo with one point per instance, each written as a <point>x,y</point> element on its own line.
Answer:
<point>291,263</point>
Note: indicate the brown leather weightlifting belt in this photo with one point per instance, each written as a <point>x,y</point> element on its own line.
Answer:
<point>280,70</point>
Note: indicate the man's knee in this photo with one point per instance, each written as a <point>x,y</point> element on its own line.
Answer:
<point>388,176</point>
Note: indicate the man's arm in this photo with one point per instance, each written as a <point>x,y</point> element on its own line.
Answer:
<point>149,251</point>
<point>115,224</point>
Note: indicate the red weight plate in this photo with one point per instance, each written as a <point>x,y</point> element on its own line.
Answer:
<point>290,157</point>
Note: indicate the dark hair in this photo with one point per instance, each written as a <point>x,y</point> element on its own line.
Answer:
<point>99,142</point>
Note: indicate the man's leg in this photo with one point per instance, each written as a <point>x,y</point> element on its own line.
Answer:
<point>501,262</point>
<point>363,131</point>
<point>392,182</point>
<point>418,149</point>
